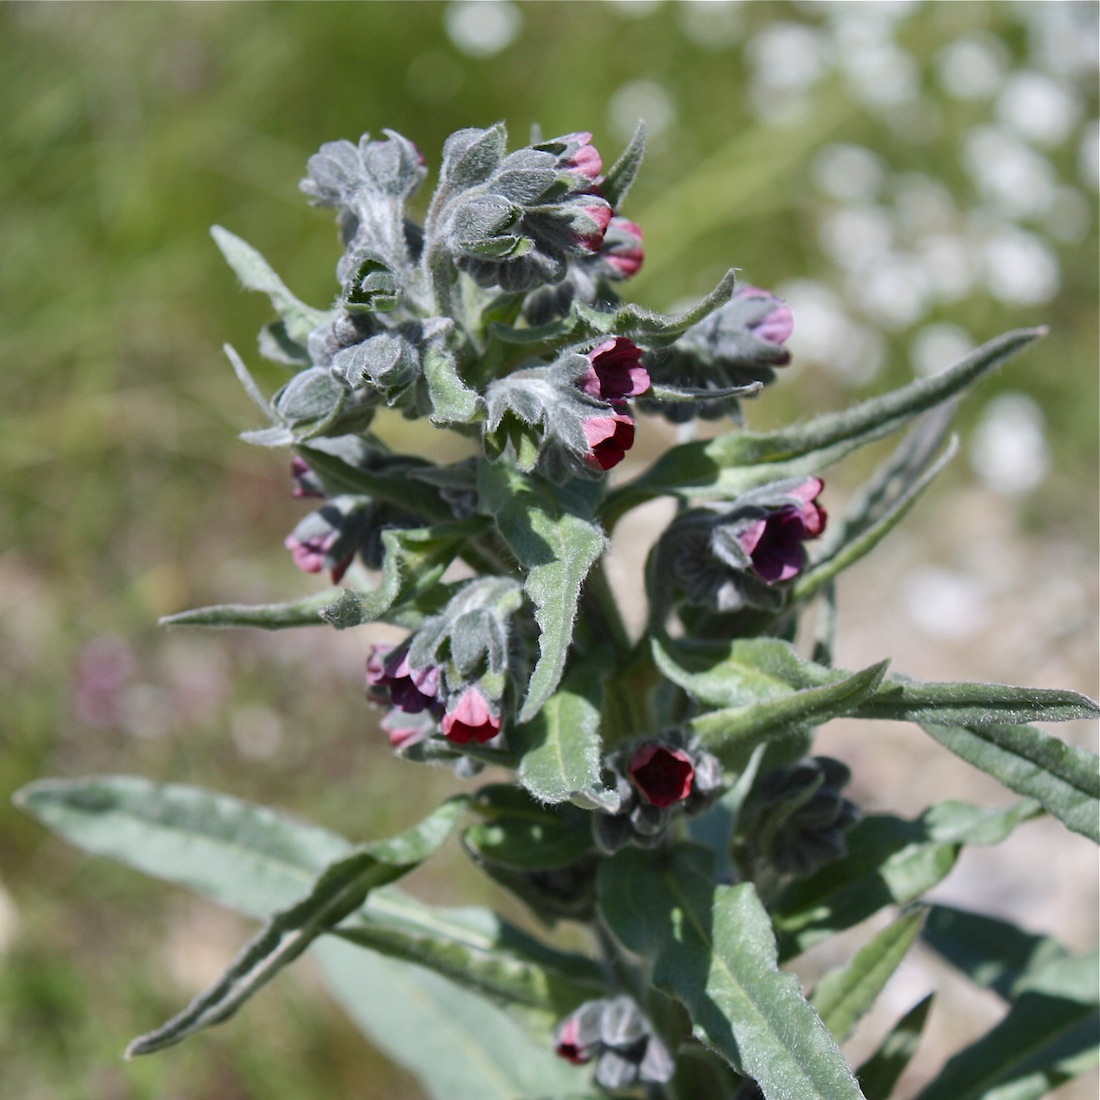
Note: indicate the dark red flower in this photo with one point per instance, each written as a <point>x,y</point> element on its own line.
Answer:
<point>568,1044</point>
<point>615,370</point>
<point>774,542</point>
<point>609,435</point>
<point>663,776</point>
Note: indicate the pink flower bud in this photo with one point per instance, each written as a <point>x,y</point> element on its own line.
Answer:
<point>470,719</point>
<point>775,326</point>
<point>622,247</point>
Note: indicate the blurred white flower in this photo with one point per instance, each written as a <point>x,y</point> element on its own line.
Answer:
<point>853,236</point>
<point>711,24</point>
<point>949,265</point>
<point>893,291</point>
<point>641,99</point>
<point>1038,108</point>
<point>827,335</point>
<point>1020,268</point>
<point>882,76</point>
<point>1088,156</point>
<point>848,172</point>
<point>1019,181</point>
<point>942,603</point>
<point>1008,449</point>
<point>972,67</point>
<point>787,56</point>
<point>938,346</point>
<point>481,28</point>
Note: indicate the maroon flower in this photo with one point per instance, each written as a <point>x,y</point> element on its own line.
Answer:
<point>774,541</point>
<point>390,679</point>
<point>615,370</point>
<point>777,324</point>
<point>470,719</point>
<point>622,247</point>
<point>662,775</point>
<point>609,436</point>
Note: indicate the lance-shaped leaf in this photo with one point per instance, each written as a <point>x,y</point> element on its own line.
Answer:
<point>843,997</point>
<point>459,1045</point>
<point>271,616</point>
<point>1065,779</point>
<point>713,949</point>
<point>255,860</point>
<point>560,747</point>
<point>618,178</point>
<point>478,951</point>
<point>733,732</point>
<point>881,1072</point>
<point>556,544</point>
<point>990,952</point>
<point>726,674</point>
<point>340,889</point>
<point>1050,1035</point>
<point>890,861</point>
<point>256,274</point>
<point>737,461</point>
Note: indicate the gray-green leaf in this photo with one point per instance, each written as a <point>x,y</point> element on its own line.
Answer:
<point>714,950</point>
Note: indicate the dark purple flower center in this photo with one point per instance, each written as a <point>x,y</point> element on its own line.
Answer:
<point>662,775</point>
<point>774,542</point>
<point>616,370</point>
<point>609,438</point>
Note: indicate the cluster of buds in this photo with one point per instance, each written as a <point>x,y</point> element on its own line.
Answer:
<point>453,672</point>
<point>796,817</point>
<point>729,556</point>
<point>571,416</point>
<point>655,780</point>
<point>613,1033</point>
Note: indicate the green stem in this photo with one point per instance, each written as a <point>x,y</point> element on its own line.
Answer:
<point>602,602</point>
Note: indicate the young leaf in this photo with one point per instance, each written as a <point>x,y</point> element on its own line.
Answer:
<point>881,1072</point>
<point>890,861</point>
<point>340,889</point>
<point>1050,1035</point>
<point>256,274</point>
<point>557,547</point>
<point>560,747</point>
<point>714,950</point>
<point>1065,779</point>
<point>453,402</point>
<point>843,997</point>
<point>991,952</point>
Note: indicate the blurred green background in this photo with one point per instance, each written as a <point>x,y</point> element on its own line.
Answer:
<point>914,178</point>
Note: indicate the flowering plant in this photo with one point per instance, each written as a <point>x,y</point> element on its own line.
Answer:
<point>660,792</point>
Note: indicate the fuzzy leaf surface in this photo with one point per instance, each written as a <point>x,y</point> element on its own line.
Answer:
<point>560,747</point>
<point>1065,779</point>
<point>556,544</point>
<point>714,950</point>
<point>270,616</point>
<point>843,997</point>
<point>255,273</point>
<point>339,890</point>
<point>890,861</point>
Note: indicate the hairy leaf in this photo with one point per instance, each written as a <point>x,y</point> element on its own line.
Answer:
<point>844,996</point>
<point>1065,779</point>
<point>272,616</point>
<point>340,889</point>
<point>256,274</point>
<point>714,950</point>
